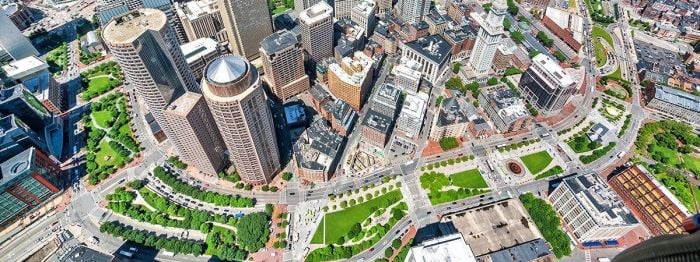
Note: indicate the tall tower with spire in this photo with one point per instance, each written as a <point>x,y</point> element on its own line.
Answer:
<point>488,39</point>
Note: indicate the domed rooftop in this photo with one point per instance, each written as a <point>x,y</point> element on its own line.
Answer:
<point>227,69</point>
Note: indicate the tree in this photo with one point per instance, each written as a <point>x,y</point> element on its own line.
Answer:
<point>506,24</point>
<point>287,176</point>
<point>492,81</point>
<point>269,208</point>
<point>396,244</point>
<point>454,83</point>
<point>354,230</point>
<point>560,56</point>
<point>252,231</point>
<point>388,252</point>
<point>517,37</point>
<point>512,7</point>
<point>265,188</point>
<point>456,67</point>
<point>447,143</point>
<point>544,39</point>
<point>533,53</point>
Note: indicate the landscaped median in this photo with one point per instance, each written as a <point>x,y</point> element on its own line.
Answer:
<point>215,198</point>
<point>448,162</point>
<point>227,238</point>
<point>357,227</point>
<point>547,222</point>
<point>442,188</point>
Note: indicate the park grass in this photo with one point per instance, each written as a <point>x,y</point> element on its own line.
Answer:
<point>338,224</point>
<point>105,150</point>
<point>600,32</point>
<point>102,118</point>
<point>692,164</point>
<point>536,162</point>
<point>668,153</point>
<point>599,52</point>
<point>616,75</point>
<point>99,83</point>
<point>125,129</point>
<point>468,179</point>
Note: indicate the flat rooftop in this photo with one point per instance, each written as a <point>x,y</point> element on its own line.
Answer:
<point>377,121</point>
<point>445,248</point>
<point>126,28</point>
<point>24,67</point>
<point>552,68</point>
<point>316,13</point>
<point>494,227</point>
<point>198,48</point>
<point>433,47</point>
<point>277,41</point>
<point>604,205</point>
<point>183,104</point>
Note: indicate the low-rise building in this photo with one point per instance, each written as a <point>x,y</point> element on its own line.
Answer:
<point>674,102</point>
<point>342,116</point>
<point>451,121</point>
<point>650,201</point>
<point>436,22</point>
<point>199,53</point>
<point>506,110</point>
<point>432,52</point>
<point>412,113</point>
<point>376,129</point>
<point>316,152</point>
<point>407,75</point>
<point>591,211</point>
<point>501,60</point>
<point>350,38</point>
<point>461,40</point>
<point>565,25</point>
<point>31,72</point>
<point>91,42</point>
<point>450,247</point>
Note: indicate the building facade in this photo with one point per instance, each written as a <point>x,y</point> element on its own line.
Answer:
<point>350,79</point>
<point>149,54</point>
<point>13,44</point>
<point>363,13</point>
<point>451,121</point>
<point>197,139</point>
<point>431,52</point>
<point>412,113</point>
<point>202,19</point>
<point>317,31</point>
<point>407,75</point>
<point>488,39</point>
<point>246,23</point>
<point>199,53</point>
<point>592,212</point>
<point>232,89</point>
<point>676,103</point>
<point>412,11</point>
<point>545,84</point>
<point>506,110</point>
<point>283,63</point>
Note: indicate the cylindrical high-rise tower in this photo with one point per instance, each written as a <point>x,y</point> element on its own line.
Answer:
<point>237,101</point>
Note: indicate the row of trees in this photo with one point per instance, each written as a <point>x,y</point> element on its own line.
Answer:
<point>149,239</point>
<point>598,153</point>
<point>207,196</point>
<point>547,222</point>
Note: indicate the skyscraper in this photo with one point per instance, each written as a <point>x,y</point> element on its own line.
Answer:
<point>412,11</point>
<point>238,104</point>
<point>342,8</point>
<point>108,9</point>
<point>364,15</point>
<point>201,19</point>
<point>545,84</point>
<point>247,23</point>
<point>149,54</point>
<point>317,31</point>
<point>488,39</point>
<point>283,62</point>
<point>384,6</point>
<point>351,79</point>
<point>13,44</point>
<point>197,138</point>
<point>301,5</point>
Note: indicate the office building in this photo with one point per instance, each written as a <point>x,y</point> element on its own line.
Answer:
<point>316,24</point>
<point>13,44</point>
<point>29,188</point>
<point>316,152</point>
<point>18,13</point>
<point>108,9</point>
<point>545,84</point>
<point>350,38</point>
<point>386,100</point>
<point>384,7</point>
<point>489,37</point>
<point>376,129</point>
<point>451,121</point>
<point>197,139</point>
<point>30,71</point>
<point>283,64</point>
<point>350,79</point>
<point>246,23</point>
<point>364,15</point>
<point>412,113</point>
<point>431,52</point>
<point>16,136</point>
<point>593,213</point>
<point>201,19</point>
<point>650,201</point>
<point>301,5</point>
<point>199,53</point>
<point>412,11</point>
<point>407,75</point>
<point>343,8</point>
<point>462,40</point>
<point>450,247</point>
<point>145,47</point>
<point>436,22</point>
<point>501,60</point>
<point>18,101</point>
<point>342,116</point>
<point>506,110</point>
<point>679,104</point>
<point>237,102</point>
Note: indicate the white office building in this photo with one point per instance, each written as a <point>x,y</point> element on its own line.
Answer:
<point>451,247</point>
<point>407,75</point>
<point>592,211</point>
<point>431,52</point>
<point>412,114</point>
<point>488,38</point>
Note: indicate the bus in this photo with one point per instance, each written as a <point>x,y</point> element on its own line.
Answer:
<point>126,253</point>
<point>488,162</point>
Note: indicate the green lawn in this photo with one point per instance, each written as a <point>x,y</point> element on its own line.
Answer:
<point>338,223</point>
<point>692,164</point>
<point>668,153</point>
<point>106,156</point>
<point>616,75</point>
<point>468,179</point>
<point>125,129</point>
<point>600,32</point>
<point>537,162</point>
<point>599,52</point>
<point>98,83</point>
<point>102,118</point>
